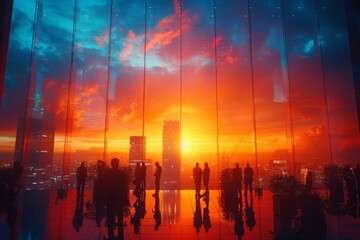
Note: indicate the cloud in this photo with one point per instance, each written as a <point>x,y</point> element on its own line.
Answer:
<point>102,40</point>
<point>164,34</point>
<point>125,54</point>
<point>132,115</point>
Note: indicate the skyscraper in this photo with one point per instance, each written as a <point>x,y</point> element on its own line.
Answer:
<point>137,151</point>
<point>171,154</point>
<point>34,148</point>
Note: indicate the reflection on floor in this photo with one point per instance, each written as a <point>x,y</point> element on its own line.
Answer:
<point>176,215</point>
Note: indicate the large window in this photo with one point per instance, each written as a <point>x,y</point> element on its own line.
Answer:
<point>246,81</point>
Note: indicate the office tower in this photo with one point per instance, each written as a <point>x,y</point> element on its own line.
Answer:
<point>171,154</point>
<point>137,151</point>
<point>278,167</point>
<point>34,148</point>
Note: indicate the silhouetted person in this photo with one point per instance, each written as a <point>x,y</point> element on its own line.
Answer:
<point>248,178</point>
<point>206,178</point>
<point>353,201</point>
<point>197,175</point>
<point>99,192</point>
<point>81,175</point>
<point>308,182</point>
<point>237,179</point>
<point>197,214</point>
<point>143,176</point>
<point>249,213</point>
<point>206,214</point>
<point>116,198</point>
<point>157,213</point>
<point>157,174</point>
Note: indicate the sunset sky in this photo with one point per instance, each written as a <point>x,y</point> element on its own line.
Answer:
<point>137,63</point>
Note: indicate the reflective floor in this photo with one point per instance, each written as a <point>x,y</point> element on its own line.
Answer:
<point>179,216</point>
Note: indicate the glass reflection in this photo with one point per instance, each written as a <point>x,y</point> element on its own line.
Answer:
<point>242,81</point>
<point>157,213</point>
<point>249,213</point>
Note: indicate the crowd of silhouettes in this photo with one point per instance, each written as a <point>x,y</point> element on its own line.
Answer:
<point>111,194</point>
<point>335,177</point>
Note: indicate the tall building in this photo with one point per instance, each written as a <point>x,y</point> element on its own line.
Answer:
<point>34,148</point>
<point>278,167</point>
<point>171,147</point>
<point>137,151</point>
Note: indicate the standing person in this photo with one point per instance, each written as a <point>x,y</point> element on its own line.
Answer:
<point>237,179</point>
<point>81,175</point>
<point>248,178</point>
<point>116,198</point>
<point>157,175</point>
<point>206,177</point>
<point>197,175</point>
<point>309,182</point>
<point>143,176</point>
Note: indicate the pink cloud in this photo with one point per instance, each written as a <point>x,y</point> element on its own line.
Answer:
<point>102,40</point>
<point>217,41</point>
<point>163,38</point>
<point>128,47</point>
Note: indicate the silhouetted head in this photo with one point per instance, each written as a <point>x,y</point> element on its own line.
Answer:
<point>115,162</point>
<point>197,164</point>
<point>247,164</point>
<point>237,164</point>
<point>82,163</point>
<point>206,164</point>
<point>157,164</point>
<point>138,164</point>
<point>143,163</point>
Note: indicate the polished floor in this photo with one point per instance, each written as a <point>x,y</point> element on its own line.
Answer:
<point>179,215</point>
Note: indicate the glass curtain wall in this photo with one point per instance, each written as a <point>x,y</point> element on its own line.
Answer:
<point>261,82</point>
